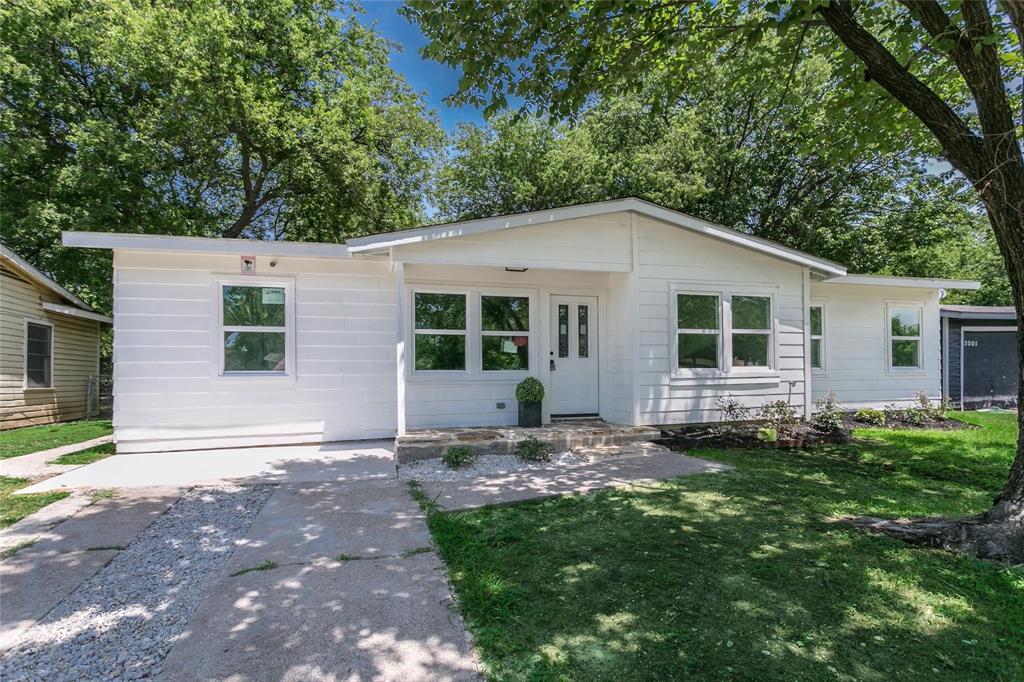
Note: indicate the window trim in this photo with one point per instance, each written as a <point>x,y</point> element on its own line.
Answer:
<point>889,338</point>
<point>24,356</point>
<point>286,283</point>
<point>823,337</point>
<point>725,369</point>
<point>474,333</point>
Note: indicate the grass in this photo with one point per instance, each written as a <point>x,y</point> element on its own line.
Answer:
<point>14,508</point>
<point>93,454</point>
<point>267,565</point>
<point>740,576</point>
<point>29,439</point>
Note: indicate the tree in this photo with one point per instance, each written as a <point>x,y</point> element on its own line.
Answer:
<point>278,119</point>
<point>922,70</point>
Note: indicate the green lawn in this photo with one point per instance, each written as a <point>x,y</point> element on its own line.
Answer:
<point>93,454</point>
<point>31,439</point>
<point>16,507</point>
<point>739,575</point>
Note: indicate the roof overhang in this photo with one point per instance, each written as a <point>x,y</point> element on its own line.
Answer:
<point>76,312</point>
<point>382,242</point>
<point>244,247</point>
<point>979,312</point>
<point>42,280</point>
<point>909,282</point>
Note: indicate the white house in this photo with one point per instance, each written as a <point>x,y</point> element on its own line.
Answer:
<point>623,309</point>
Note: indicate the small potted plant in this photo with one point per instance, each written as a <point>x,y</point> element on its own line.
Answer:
<point>530,394</point>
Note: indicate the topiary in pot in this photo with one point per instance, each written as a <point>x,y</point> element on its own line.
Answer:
<point>530,394</point>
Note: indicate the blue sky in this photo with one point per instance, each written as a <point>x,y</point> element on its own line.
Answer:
<point>435,81</point>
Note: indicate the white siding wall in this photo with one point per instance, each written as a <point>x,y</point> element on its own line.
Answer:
<point>600,243</point>
<point>440,401</point>
<point>168,394</point>
<point>668,254</point>
<point>856,367</point>
<point>617,361</point>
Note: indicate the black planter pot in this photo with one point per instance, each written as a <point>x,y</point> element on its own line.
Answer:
<point>529,414</point>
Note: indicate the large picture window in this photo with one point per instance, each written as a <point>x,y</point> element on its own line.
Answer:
<point>505,333</point>
<point>904,336</point>
<point>254,328</point>
<point>38,355</point>
<point>698,330</point>
<point>440,331</point>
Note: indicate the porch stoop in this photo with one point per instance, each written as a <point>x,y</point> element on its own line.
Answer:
<point>501,440</point>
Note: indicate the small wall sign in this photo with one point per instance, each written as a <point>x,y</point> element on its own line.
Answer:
<point>248,265</point>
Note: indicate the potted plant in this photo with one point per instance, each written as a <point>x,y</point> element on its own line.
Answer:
<point>530,394</point>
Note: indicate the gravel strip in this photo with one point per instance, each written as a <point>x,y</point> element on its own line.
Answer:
<point>121,623</point>
<point>435,469</point>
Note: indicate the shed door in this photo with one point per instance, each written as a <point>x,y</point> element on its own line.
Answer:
<point>990,368</point>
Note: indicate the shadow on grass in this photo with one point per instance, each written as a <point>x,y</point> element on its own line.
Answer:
<point>739,576</point>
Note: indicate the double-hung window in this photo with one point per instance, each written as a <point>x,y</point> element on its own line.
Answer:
<point>751,331</point>
<point>505,333</point>
<point>904,328</point>
<point>817,320</point>
<point>440,331</point>
<point>254,329</point>
<point>38,355</point>
<point>698,330</point>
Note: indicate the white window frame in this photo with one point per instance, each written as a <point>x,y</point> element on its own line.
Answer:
<point>823,336</point>
<point>286,283</point>
<point>474,333</point>
<point>414,331</point>
<point>725,370</point>
<point>889,338</point>
<point>24,356</point>
<point>528,334</point>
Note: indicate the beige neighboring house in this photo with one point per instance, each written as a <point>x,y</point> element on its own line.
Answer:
<point>49,347</point>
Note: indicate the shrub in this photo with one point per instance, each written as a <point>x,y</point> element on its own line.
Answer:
<point>870,416</point>
<point>780,416</point>
<point>827,416</point>
<point>458,456</point>
<point>530,390</point>
<point>530,449</point>
<point>913,415</point>
<point>732,410</point>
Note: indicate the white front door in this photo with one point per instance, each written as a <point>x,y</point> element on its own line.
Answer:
<point>573,355</point>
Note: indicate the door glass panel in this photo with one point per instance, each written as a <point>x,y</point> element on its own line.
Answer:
<point>584,331</point>
<point>563,331</point>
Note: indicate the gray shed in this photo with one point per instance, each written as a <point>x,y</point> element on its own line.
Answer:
<point>979,355</point>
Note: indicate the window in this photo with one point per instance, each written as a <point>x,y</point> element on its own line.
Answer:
<point>698,330</point>
<point>751,331</point>
<point>583,330</point>
<point>817,319</point>
<point>440,331</point>
<point>254,328</point>
<point>505,333</point>
<point>904,336</point>
<point>563,330</point>
<point>38,355</point>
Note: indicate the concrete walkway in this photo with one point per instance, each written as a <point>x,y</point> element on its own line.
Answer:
<point>36,465</point>
<point>354,592</point>
<point>338,462</point>
<point>656,464</point>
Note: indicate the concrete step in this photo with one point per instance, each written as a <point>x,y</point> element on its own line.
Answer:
<point>501,440</point>
<point>598,453</point>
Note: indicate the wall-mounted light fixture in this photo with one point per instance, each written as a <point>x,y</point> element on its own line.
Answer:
<point>516,269</point>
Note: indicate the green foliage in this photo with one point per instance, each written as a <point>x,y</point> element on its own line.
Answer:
<point>731,409</point>
<point>276,119</point>
<point>767,434</point>
<point>530,390</point>
<point>779,416</point>
<point>24,441</point>
<point>870,416</point>
<point>458,456</point>
<point>827,416</point>
<point>14,508</point>
<point>585,587</point>
<point>531,449</point>
<point>88,456</point>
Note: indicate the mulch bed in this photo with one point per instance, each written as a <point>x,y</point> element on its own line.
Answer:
<point>939,424</point>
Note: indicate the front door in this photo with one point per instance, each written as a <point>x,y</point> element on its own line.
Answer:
<point>990,372</point>
<point>573,355</point>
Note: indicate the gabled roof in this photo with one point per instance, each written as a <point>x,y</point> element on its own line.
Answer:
<point>32,273</point>
<point>382,242</point>
<point>979,312</point>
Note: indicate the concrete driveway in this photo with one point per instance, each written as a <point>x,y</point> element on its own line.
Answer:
<point>298,564</point>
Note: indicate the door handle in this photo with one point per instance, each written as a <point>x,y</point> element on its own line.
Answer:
<point>553,368</point>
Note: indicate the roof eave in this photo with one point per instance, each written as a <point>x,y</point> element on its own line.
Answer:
<point>118,241</point>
